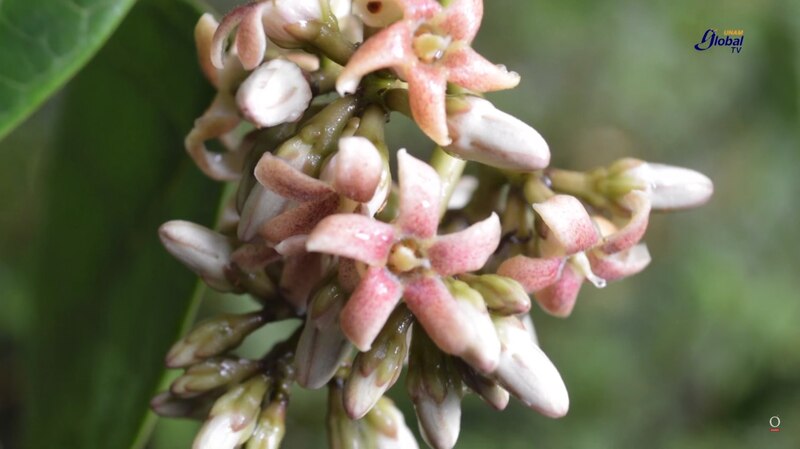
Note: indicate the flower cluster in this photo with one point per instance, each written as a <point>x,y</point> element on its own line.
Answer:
<point>434,271</point>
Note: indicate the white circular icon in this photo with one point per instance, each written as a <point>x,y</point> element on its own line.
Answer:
<point>775,422</point>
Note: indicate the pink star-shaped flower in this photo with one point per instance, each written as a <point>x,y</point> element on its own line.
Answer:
<point>429,47</point>
<point>574,250</point>
<point>406,259</point>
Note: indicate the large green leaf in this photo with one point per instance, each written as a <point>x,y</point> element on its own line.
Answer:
<point>43,43</point>
<point>109,300</point>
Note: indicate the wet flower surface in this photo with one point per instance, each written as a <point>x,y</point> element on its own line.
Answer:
<point>431,271</point>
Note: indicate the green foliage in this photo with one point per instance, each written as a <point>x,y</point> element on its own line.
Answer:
<point>108,299</point>
<point>43,44</point>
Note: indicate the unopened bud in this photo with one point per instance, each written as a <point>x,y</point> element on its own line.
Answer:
<point>204,251</point>
<point>213,337</point>
<point>483,133</point>
<point>435,389</point>
<point>526,372</point>
<point>270,427</point>
<point>389,426</point>
<point>281,14</point>
<point>377,13</point>
<point>669,187</point>
<point>211,374</point>
<point>169,405</point>
<point>492,393</point>
<point>233,417</point>
<point>275,93</point>
<point>322,346</point>
<point>483,348</point>
<point>503,295</point>
<point>376,370</point>
<point>343,432</point>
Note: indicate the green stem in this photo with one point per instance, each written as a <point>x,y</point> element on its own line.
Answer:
<point>450,170</point>
<point>575,183</point>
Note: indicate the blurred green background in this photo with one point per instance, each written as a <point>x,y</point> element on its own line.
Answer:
<point>701,349</point>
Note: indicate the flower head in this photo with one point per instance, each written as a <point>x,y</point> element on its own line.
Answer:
<point>577,247</point>
<point>428,48</point>
<point>406,259</point>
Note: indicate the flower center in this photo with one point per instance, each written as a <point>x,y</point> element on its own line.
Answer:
<point>405,256</point>
<point>430,47</point>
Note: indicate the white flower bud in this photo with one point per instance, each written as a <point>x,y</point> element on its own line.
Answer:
<point>204,251</point>
<point>390,429</point>
<point>483,133</point>
<point>671,187</point>
<point>281,13</point>
<point>233,417</point>
<point>439,422</point>
<point>275,93</point>
<point>377,13</point>
<point>526,372</point>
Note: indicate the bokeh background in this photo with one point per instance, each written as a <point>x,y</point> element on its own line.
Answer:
<point>701,349</point>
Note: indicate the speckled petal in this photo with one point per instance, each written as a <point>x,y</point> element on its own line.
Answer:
<point>299,220</point>
<point>533,273</point>
<point>638,203</point>
<point>251,40</point>
<point>420,188</point>
<point>620,265</point>
<point>353,236</point>
<point>569,224</point>
<point>225,28</point>
<point>389,48</point>
<point>439,313</point>
<point>279,176</point>
<point>467,250</point>
<point>461,19</point>
<point>559,299</point>
<point>468,69</point>
<point>427,85</point>
<point>369,307</point>
<point>419,9</point>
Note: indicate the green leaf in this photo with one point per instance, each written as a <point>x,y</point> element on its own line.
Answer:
<point>43,43</point>
<point>109,300</point>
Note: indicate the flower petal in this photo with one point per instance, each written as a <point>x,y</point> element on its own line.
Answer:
<point>353,236</point>
<point>357,169</point>
<point>369,307</point>
<point>462,19</point>
<point>419,9</point>
<point>282,178</point>
<point>420,188</point>
<point>220,118</point>
<point>438,312</point>
<point>559,299</point>
<point>251,40</point>
<point>467,250</point>
<point>225,28</point>
<point>638,203</point>
<point>470,70</point>
<point>620,265</point>
<point>569,224</point>
<point>389,48</point>
<point>203,38</point>
<point>533,274</point>
<point>299,220</point>
<point>427,85</point>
